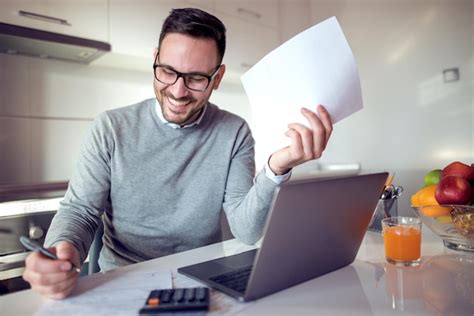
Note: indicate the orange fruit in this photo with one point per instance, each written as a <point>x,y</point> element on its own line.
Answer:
<point>425,199</point>
<point>425,196</point>
<point>435,211</point>
<point>415,200</point>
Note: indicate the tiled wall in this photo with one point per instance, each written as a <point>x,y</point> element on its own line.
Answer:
<point>47,106</point>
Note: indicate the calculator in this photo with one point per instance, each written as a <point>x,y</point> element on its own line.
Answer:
<point>176,300</point>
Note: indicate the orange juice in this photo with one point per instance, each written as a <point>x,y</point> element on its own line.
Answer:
<point>402,243</point>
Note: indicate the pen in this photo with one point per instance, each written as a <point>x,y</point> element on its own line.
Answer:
<point>34,246</point>
<point>389,180</point>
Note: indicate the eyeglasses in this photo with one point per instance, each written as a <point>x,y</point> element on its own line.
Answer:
<point>193,81</point>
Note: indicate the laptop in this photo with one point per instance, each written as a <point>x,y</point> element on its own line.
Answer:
<point>313,227</point>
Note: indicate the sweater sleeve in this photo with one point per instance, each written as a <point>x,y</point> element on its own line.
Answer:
<point>246,202</point>
<point>88,193</point>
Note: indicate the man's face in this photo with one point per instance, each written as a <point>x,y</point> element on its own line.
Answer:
<point>186,54</point>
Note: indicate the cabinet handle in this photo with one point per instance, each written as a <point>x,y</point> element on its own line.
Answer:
<point>249,12</point>
<point>45,18</point>
<point>246,65</point>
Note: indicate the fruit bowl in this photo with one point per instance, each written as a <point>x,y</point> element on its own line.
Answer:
<point>453,223</point>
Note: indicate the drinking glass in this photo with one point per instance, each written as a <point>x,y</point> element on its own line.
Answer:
<point>402,240</point>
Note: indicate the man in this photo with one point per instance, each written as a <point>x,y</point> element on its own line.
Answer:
<point>160,171</point>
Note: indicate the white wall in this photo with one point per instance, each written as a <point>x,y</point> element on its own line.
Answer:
<point>412,121</point>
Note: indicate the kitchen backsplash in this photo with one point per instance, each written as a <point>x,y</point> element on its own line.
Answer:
<point>47,106</point>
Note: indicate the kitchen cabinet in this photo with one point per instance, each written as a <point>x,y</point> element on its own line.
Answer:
<point>135,28</point>
<point>206,5</point>
<point>262,12</point>
<point>10,12</point>
<point>247,42</point>
<point>252,29</point>
<point>86,18</point>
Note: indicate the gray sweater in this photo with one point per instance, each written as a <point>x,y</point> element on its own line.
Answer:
<point>161,189</point>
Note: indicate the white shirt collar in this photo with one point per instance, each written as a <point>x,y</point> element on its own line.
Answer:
<point>177,126</point>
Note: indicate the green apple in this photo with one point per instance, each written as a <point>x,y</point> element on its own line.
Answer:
<point>433,177</point>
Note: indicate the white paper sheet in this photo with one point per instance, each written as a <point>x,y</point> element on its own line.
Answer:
<point>110,293</point>
<point>314,67</point>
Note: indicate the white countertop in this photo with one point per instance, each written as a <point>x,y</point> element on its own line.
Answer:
<point>442,284</point>
<point>29,206</point>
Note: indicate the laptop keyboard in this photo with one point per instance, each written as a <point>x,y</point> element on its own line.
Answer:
<point>236,280</point>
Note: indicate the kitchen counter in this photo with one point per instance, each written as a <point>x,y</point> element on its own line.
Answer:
<point>29,206</point>
<point>17,199</point>
<point>441,285</point>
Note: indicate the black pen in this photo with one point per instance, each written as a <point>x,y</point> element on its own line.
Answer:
<point>34,246</point>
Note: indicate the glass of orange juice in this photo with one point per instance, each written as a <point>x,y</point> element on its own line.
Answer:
<point>402,240</point>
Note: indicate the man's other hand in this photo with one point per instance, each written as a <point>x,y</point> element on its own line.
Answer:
<point>306,143</point>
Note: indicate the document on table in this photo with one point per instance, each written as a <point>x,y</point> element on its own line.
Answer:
<point>314,67</point>
<point>110,293</point>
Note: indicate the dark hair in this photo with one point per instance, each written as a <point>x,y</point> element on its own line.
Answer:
<point>196,23</point>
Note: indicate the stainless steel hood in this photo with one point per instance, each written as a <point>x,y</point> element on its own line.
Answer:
<point>32,42</point>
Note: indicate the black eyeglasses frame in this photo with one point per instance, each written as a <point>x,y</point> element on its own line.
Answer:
<point>184,75</point>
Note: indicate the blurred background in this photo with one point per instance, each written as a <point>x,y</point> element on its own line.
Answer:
<point>415,60</point>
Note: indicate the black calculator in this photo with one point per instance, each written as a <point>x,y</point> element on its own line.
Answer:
<point>192,299</point>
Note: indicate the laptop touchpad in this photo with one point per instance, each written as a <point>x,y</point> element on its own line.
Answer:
<point>240,260</point>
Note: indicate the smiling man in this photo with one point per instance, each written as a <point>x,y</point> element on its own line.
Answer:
<point>159,172</point>
<point>181,101</point>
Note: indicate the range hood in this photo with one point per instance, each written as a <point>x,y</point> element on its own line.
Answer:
<point>36,43</point>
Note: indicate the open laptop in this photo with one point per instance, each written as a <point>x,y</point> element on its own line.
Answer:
<point>313,227</point>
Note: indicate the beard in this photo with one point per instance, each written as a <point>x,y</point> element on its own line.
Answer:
<point>179,110</point>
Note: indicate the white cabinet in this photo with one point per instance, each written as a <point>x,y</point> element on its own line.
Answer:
<point>247,43</point>
<point>87,18</point>
<point>263,12</point>
<point>135,26</point>
<point>10,12</point>
<point>81,18</point>
<point>252,29</point>
<point>206,5</point>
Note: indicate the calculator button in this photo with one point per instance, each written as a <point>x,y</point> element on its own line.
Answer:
<point>166,296</point>
<point>189,294</point>
<point>200,294</point>
<point>176,301</point>
<point>153,301</point>
<point>178,295</point>
<point>155,293</point>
